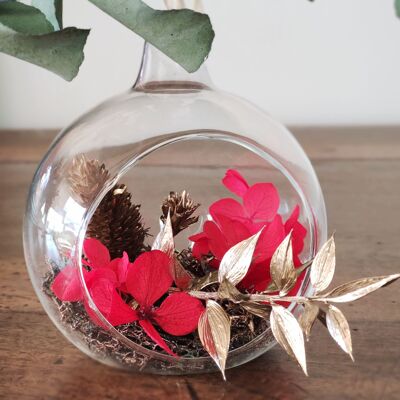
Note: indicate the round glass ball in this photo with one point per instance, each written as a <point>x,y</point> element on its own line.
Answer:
<point>171,132</point>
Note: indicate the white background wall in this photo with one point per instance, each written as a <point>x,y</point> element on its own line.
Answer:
<point>327,62</point>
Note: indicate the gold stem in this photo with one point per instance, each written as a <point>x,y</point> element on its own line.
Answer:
<point>252,297</point>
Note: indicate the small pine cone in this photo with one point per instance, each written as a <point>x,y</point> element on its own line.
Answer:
<point>86,178</point>
<point>181,207</point>
<point>117,223</point>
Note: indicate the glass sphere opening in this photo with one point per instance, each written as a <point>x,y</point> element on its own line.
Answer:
<point>196,162</point>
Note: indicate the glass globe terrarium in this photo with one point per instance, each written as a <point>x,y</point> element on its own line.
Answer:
<point>171,132</point>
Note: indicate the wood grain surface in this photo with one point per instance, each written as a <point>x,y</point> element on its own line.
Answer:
<point>359,170</point>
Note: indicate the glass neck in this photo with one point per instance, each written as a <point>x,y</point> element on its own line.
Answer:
<point>158,73</point>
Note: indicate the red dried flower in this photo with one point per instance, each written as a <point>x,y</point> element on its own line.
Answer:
<point>147,280</point>
<point>233,222</point>
<point>67,285</point>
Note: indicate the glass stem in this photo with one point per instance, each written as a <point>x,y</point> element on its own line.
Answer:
<point>158,70</point>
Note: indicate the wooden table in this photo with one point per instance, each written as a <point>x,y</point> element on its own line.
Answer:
<point>359,170</point>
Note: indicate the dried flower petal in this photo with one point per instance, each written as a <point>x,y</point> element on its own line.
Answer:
<point>358,288</point>
<point>67,284</point>
<point>288,333</point>
<point>235,182</point>
<point>237,260</point>
<point>149,277</point>
<point>323,266</point>
<point>299,232</point>
<point>261,201</point>
<point>181,277</point>
<point>339,329</point>
<point>270,238</point>
<point>179,314</point>
<point>155,336</point>
<point>217,243</point>
<point>215,333</point>
<point>97,254</point>
<point>121,266</point>
<point>283,272</point>
<point>228,208</point>
<point>108,301</point>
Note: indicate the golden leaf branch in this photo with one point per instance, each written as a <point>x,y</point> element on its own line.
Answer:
<point>288,332</point>
<point>342,294</point>
<point>215,324</point>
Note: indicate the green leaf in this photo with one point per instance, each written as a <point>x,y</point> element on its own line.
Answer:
<point>183,35</point>
<point>26,34</point>
<point>397,7</point>
<point>52,9</point>
<point>60,52</point>
<point>23,19</point>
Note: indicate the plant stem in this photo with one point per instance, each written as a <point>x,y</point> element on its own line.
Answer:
<point>251,297</point>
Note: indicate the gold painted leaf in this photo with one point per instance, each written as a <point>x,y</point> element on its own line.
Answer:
<point>359,288</point>
<point>283,272</point>
<point>182,278</point>
<point>204,281</point>
<point>228,291</point>
<point>261,310</point>
<point>272,286</point>
<point>308,318</point>
<point>339,329</point>
<point>303,267</point>
<point>164,241</point>
<point>288,334</point>
<point>236,261</point>
<point>215,333</point>
<point>323,266</point>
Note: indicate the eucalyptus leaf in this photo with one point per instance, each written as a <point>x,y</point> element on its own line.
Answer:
<point>60,52</point>
<point>24,19</point>
<point>25,33</point>
<point>52,9</point>
<point>397,7</point>
<point>183,35</point>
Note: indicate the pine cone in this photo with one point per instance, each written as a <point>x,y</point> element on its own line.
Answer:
<point>181,207</point>
<point>86,178</point>
<point>117,223</point>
